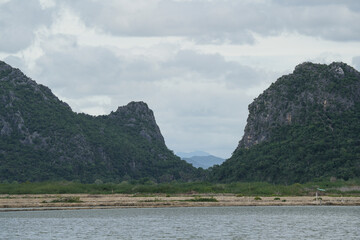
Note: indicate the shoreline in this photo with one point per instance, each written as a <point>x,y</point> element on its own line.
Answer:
<point>39,202</point>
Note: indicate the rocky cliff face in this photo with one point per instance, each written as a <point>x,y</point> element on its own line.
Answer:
<point>41,138</point>
<point>312,89</point>
<point>305,126</point>
<point>12,79</point>
<point>12,82</point>
<point>138,115</point>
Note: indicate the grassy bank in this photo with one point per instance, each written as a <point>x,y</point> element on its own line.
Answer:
<point>351,187</point>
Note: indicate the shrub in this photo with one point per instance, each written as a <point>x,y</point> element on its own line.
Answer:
<point>67,200</point>
<point>201,199</point>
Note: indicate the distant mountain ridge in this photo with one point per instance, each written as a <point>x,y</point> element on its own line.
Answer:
<point>204,161</point>
<point>305,126</point>
<point>192,154</point>
<point>200,159</point>
<point>41,138</point>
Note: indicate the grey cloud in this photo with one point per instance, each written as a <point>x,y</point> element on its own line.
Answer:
<point>79,70</point>
<point>210,65</point>
<point>207,22</point>
<point>85,70</point>
<point>97,70</point>
<point>351,4</point>
<point>214,22</point>
<point>18,22</point>
<point>220,22</point>
<point>213,67</point>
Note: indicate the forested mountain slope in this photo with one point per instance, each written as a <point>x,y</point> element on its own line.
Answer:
<point>305,126</point>
<point>41,138</point>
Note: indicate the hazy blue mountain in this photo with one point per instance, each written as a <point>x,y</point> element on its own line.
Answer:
<point>204,161</point>
<point>200,159</point>
<point>192,154</point>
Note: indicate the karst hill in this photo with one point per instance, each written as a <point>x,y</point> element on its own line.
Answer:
<point>305,126</point>
<point>42,139</point>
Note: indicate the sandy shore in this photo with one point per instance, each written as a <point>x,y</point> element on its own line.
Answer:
<point>92,201</point>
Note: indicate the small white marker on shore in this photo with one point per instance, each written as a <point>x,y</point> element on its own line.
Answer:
<point>319,189</point>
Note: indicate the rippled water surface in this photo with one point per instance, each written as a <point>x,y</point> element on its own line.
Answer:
<point>320,222</point>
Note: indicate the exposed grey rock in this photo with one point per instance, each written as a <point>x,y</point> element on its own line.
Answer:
<point>138,115</point>
<point>6,128</point>
<point>285,104</point>
<point>17,78</point>
<point>144,134</point>
<point>20,123</point>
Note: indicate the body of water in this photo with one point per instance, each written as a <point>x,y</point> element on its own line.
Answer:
<point>318,222</point>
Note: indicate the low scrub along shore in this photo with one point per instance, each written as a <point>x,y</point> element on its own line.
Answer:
<point>89,201</point>
<point>73,195</point>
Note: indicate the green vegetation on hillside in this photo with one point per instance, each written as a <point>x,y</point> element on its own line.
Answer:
<point>42,139</point>
<point>141,188</point>
<point>306,126</point>
<point>298,153</point>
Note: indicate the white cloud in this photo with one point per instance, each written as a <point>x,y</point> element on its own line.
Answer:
<point>47,4</point>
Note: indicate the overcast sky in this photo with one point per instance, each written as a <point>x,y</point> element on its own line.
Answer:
<point>198,64</point>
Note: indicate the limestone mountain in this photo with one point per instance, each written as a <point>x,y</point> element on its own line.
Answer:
<point>41,138</point>
<point>305,126</point>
